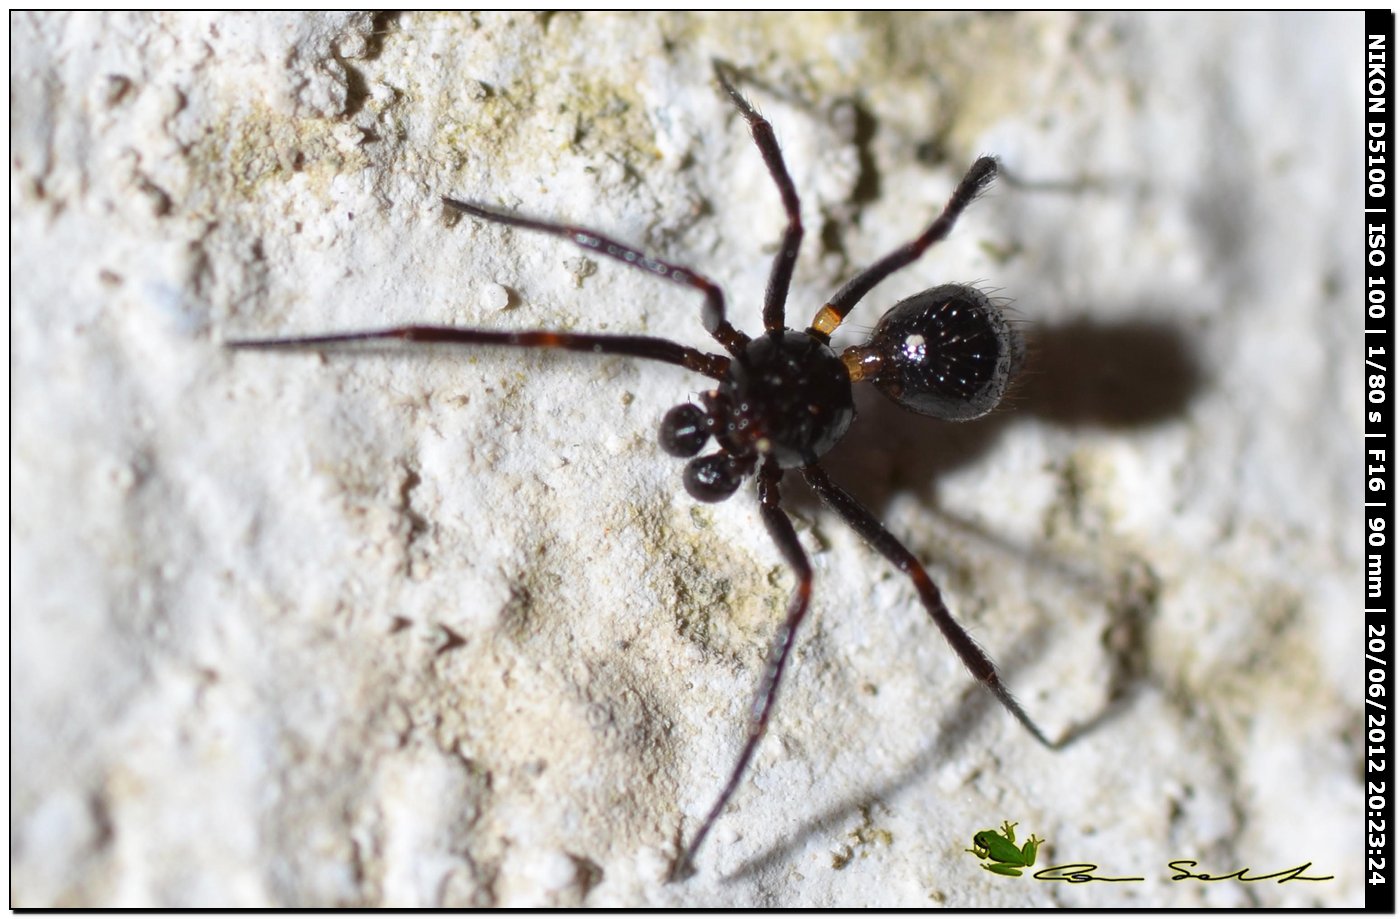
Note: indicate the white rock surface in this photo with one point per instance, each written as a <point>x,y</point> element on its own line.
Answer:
<point>441,628</point>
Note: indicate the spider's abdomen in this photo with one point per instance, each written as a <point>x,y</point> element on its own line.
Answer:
<point>789,397</point>
<point>947,352</point>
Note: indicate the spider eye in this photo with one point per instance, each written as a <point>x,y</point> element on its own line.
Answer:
<point>947,352</point>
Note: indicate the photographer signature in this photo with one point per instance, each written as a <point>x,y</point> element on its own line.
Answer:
<point>1000,855</point>
<point>1082,873</point>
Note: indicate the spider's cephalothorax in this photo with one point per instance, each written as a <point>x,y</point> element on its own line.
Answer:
<point>787,395</point>
<point>782,399</point>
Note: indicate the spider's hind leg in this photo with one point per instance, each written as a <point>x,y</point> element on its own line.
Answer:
<point>874,532</point>
<point>978,178</point>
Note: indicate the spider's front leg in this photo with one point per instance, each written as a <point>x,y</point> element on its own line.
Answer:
<point>780,528</point>
<point>713,316</point>
<point>657,349</point>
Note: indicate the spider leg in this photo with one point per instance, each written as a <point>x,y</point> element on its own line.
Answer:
<point>973,184</point>
<point>780,528</point>
<point>712,316</point>
<point>775,297</point>
<point>656,349</point>
<point>874,532</point>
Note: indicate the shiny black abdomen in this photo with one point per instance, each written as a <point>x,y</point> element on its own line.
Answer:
<point>948,353</point>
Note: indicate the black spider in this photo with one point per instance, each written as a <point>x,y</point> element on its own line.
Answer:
<point>782,400</point>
